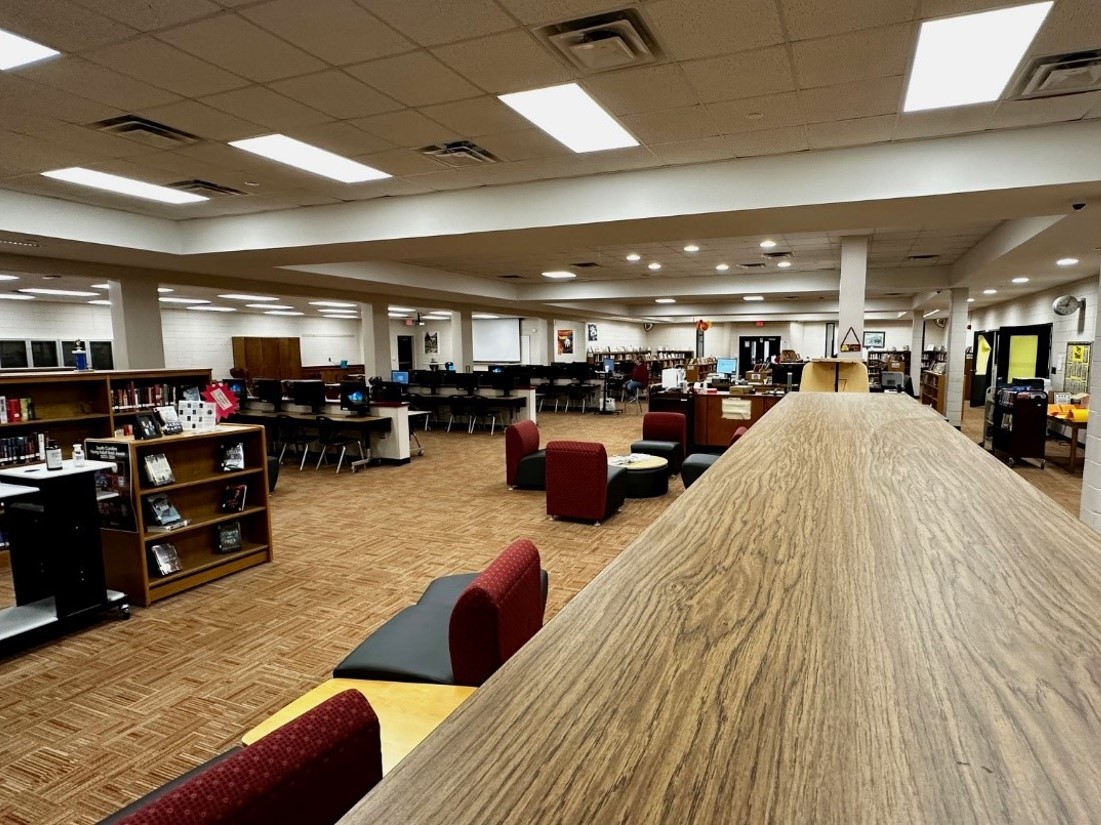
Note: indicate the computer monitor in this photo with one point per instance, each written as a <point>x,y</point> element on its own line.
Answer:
<point>450,367</point>
<point>421,378</point>
<point>399,377</point>
<point>390,391</point>
<point>893,380</point>
<point>786,373</point>
<point>270,390</point>
<point>727,366</point>
<point>504,381</point>
<point>609,365</point>
<point>355,397</point>
<point>466,381</point>
<point>237,386</point>
<point>308,394</point>
<point>496,369</point>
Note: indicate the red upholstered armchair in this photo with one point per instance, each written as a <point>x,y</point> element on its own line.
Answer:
<point>310,772</point>
<point>580,484</point>
<point>525,463</point>
<point>664,434</point>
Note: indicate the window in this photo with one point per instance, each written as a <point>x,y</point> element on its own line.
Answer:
<point>44,353</point>
<point>102,356</point>
<point>13,354</point>
<point>67,358</point>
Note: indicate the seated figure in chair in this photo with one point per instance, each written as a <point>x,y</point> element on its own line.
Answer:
<point>639,380</point>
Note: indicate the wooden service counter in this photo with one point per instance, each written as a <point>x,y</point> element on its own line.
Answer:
<point>898,630</point>
<point>714,416</point>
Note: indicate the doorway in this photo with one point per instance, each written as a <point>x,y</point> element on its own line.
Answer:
<point>982,366</point>
<point>756,349</point>
<point>405,352</point>
<point>1023,352</point>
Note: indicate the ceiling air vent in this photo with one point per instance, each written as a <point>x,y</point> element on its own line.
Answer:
<point>205,188</point>
<point>510,276</point>
<point>600,44</point>
<point>145,131</point>
<point>1062,74</point>
<point>922,257</point>
<point>775,256</point>
<point>459,154</point>
<point>751,266</point>
<point>586,264</point>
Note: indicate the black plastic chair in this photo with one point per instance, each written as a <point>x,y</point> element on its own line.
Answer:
<point>288,432</point>
<point>484,408</point>
<point>462,406</point>
<point>329,435</point>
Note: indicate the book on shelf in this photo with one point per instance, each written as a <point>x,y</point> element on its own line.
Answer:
<point>163,515</point>
<point>170,420</point>
<point>158,470</point>
<point>21,449</point>
<point>233,498</point>
<point>233,456</point>
<point>229,536</point>
<point>166,557</point>
<point>14,410</point>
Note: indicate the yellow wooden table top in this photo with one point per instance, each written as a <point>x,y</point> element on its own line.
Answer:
<point>407,711</point>
<point>857,617</point>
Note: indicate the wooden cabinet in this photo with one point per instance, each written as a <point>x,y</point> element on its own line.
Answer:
<point>268,357</point>
<point>933,390</point>
<point>197,494</point>
<point>713,427</point>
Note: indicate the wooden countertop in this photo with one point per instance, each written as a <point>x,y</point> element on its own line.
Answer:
<point>893,628</point>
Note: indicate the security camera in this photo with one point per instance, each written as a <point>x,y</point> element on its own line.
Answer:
<point>1078,207</point>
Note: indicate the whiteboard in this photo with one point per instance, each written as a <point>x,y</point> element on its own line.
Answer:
<point>496,341</point>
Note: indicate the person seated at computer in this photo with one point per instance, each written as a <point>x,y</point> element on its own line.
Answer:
<point>640,378</point>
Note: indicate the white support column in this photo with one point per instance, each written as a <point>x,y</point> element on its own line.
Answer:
<point>462,341</point>
<point>917,346</point>
<point>137,340</point>
<point>957,351</point>
<point>374,339</point>
<point>854,274</point>
<point>1090,509</point>
<point>551,342</point>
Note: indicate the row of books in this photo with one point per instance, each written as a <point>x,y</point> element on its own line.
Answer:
<point>22,449</point>
<point>132,397</point>
<point>158,470</point>
<point>166,558</point>
<point>163,517</point>
<point>15,409</point>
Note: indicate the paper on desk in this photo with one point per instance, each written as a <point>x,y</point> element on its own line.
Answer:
<point>737,408</point>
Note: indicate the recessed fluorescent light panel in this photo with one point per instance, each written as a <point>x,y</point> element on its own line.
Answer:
<point>559,275</point>
<point>753,297</point>
<point>184,301</point>
<point>990,292</point>
<point>101,303</point>
<point>970,58</point>
<point>11,296</point>
<point>1020,280</point>
<point>484,316</point>
<point>69,293</point>
<point>238,296</point>
<point>269,306</point>
<point>392,315</point>
<point>571,117</point>
<point>1066,261</point>
<point>348,306</point>
<point>665,300</point>
<point>164,289</point>
<point>9,277</point>
<point>18,51</point>
<point>214,309</point>
<point>301,155</point>
<point>282,312</point>
<point>123,186</point>
<point>101,286</point>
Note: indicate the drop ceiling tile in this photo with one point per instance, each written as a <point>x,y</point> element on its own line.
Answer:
<point>44,100</point>
<point>61,25</point>
<point>1011,113</point>
<point>689,29</point>
<point>640,90</point>
<point>340,137</point>
<point>770,142</point>
<point>407,128</point>
<point>166,67</point>
<point>861,55</point>
<point>78,137</point>
<point>80,77</point>
<point>746,74</point>
<point>475,117</point>
<point>531,12</point>
<point>415,79</point>
<point>850,132</point>
<point>147,15</point>
<point>509,62</point>
<point>807,19</point>
<point>700,150</point>
<point>337,31</point>
<point>685,123</point>
<point>527,144</point>
<point>204,121</point>
<point>957,120</point>
<point>261,105</point>
<point>1071,26</point>
<point>336,94</point>
<point>401,162</point>
<point>432,22</point>
<point>28,123</point>
<point>238,46</point>
<point>776,112</point>
<point>31,154</point>
<point>865,98</point>
<point>1095,111</point>
<point>930,9</point>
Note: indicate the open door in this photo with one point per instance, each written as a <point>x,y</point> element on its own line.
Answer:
<point>982,366</point>
<point>1023,352</point>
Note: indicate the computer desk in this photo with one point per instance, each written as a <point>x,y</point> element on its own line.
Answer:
<point>512,403</point>
<point>855,616</point>
<point>362,425</point>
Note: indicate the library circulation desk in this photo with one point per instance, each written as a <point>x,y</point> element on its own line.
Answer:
<point>898,630</point>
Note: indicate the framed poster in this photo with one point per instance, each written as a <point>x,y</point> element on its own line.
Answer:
<point>591,330</point>
<point>565,342</point>
<point>431,343</point>
<point>1076,373</point>
<point>875,340</point>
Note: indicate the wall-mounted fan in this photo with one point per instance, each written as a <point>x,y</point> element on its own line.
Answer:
<point>1067,305</point>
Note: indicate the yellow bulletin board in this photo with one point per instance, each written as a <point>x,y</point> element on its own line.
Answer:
<point>1076,373</point>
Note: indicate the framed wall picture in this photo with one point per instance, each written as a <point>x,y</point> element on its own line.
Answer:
<point>875,340</point>
<point>592,331</point>
<point>431,343</point>
<point>565,342</point>
<point>146,426</point>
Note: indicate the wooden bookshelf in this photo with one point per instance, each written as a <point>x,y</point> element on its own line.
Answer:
<point>933,387</point>
<point>881,360</point>
<point>196,493</point>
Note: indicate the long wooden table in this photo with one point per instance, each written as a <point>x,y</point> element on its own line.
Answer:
<point>898,630</point>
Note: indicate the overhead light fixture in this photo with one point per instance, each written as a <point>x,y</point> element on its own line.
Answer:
<point>634,256</point>
<point>165,289</point>
<point>283,149</point>
<point>392,315</point>
<point>69,293</point>
<point>901,314</point>
<point>970,58</point>
<point>484,316</point>
<point>184,301</point>
<point>655,266</point>
<point>560,275</point>
<point>436,317</point>
<point>269,306</point>
<point>101,302</point>
<point>665,300</point>
<point>753,297</point>
<point>12,296</point>
<point>19,51</point>
<point>930,313</point>
<point>283,312</point>
<point>990,292</point>
<point>333,304</point>
<point>346,305</point>
<point>343,317</point>
<point>444,312</point>
<point>768,244</point>
<point>240,296</point>
<point>9,277</point>
<point>1020,280</point>
<point>123,186</point>
<point>970,300</point>
<point>101,286</point>
<point>722,267</point>
<point>783,264</point>
<point>10,242</point>
<point>691,248</point>
<point>1066,261</point>
<point>213,309</point>
<point>571,117</point>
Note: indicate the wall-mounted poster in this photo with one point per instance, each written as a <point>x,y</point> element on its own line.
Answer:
<point>431,343</point>
<point>565,342</point>
<point>875,340</point>
<point>591,328</point>
<point>1076,373</point>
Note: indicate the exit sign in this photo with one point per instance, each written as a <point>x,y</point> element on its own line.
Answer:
<point>758,323</point>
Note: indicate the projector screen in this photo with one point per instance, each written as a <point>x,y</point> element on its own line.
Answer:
<point>497,341</point>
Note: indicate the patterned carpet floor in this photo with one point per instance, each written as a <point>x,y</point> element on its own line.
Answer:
<point>95,719</point>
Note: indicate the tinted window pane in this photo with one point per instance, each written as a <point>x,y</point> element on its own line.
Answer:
<point>67,348</point>
<point>44,353</point>
<point>13,354</point>
<point>102,357</point>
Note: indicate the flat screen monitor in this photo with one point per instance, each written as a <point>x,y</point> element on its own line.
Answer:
<point>237,386</point>
<point>308,394</point>
<point>399,376</point>
<point>466,381</point>
<point>450,367</point>
<point>389,391</point>
<point>727,366</point>
<point>496,368</point>
<point>355,397</point>
<point>609,365</point>
<point>270,390</point>
<point>421,378</point>
<point>893,380</point>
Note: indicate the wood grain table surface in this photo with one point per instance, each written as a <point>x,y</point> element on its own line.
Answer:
<point>889,627</point>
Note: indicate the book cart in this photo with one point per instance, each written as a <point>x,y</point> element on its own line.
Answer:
<point>205,523</point>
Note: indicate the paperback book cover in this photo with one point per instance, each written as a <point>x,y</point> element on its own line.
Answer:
<point>229,537</point>
<point>233,498</point>
<point>166,558</point>
<point>233,457</point>
<point>163,515</point>
<point>158,470</point>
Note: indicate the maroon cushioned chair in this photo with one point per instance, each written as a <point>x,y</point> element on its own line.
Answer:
<point>525,463</point>
<point>581,484</point>
<point>311,771</point>
<point>664,434</point>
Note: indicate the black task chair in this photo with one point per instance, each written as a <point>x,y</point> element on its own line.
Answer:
<point>462,406</point>
<point>329,435</point>
<point>289,433</point>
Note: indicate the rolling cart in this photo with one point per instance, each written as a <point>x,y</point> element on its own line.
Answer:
<point>1016,424</point>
